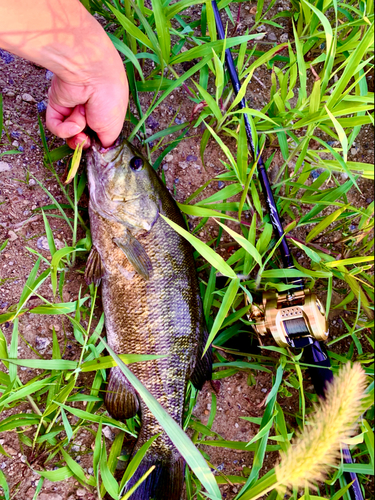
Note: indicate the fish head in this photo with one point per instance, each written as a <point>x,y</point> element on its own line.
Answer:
<point>123,185</point>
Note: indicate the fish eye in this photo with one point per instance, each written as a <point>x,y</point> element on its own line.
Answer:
<point>136,164</point>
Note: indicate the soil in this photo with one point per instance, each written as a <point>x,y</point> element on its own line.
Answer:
<point>24,88</point>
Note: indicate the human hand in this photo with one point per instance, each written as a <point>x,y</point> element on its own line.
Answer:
<point>100,105</point>
<point>89,87</point>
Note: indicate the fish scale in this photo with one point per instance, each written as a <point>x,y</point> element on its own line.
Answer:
<point>151,302</point>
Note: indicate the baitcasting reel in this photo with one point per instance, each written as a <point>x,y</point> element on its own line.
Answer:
<point>294,320</point>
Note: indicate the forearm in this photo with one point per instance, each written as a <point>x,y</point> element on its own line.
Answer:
<point>59,35</point>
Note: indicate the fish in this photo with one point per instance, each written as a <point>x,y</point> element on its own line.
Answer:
<point>151,301</point>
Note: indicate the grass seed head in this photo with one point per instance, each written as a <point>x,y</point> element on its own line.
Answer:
<point>318,446</point>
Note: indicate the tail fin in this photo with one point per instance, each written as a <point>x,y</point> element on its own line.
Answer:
<point>164,483</point>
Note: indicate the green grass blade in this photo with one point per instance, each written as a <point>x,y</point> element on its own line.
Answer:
<point>226,304</point>
<point>205,251</point>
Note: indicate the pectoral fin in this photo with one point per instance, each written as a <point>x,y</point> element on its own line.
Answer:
<point>135,254</point>
<point>94,268</point>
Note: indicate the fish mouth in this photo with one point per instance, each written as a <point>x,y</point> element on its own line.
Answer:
<point>104,159</point>
<point>99,148</point>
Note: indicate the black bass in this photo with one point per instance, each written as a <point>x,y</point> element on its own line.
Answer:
<point>151,302</point>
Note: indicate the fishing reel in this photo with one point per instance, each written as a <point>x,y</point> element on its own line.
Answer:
<point>294,320</point>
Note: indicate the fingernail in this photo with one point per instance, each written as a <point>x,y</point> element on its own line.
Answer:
<point>75,129</point>
<point>81,109</point>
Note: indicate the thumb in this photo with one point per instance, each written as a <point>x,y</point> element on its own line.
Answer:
<point>65,122</point>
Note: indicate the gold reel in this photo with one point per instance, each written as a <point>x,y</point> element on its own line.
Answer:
<point>289,319</point>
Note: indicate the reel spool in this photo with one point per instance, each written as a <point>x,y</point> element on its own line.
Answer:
<point>292,320</point>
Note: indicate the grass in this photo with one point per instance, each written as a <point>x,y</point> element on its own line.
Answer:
<point>318,103</point>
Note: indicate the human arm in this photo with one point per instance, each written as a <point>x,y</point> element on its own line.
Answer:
<point>89,86</point>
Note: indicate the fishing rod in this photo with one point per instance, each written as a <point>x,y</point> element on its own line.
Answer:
<point>296,318</point>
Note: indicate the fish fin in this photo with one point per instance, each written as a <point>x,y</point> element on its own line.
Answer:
<point>121,399</point>
<point>135,254</point>
<point>164,483</point>
<point>203,367</point>
<point>94,268</point>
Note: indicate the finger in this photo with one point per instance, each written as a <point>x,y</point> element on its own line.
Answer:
<point>64,126</point>
<point>106,114</point>
<point>78,139</point>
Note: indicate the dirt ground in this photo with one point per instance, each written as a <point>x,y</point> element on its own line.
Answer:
<point>24,87</point>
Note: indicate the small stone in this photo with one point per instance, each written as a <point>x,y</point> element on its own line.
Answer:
<point>15,144</point>
<point>169,158</point>
<point>183,165</point>
<point>28,98</point>
<point>49,496</point>
<point>81,492</point>
<point>32,182</point>
<point>220,184</point>
<point>253,10</point>
<point>272,37</point>
<point>191,158</point>
<point>6,57</point>
<point>284,38</point>
<point>12,236</point>
<point>49,75</point>
<point>108,433</point>
<point>9,450</point>
<point>41,343</point>
<point>165,167</point>
<point>353,151</point>
<point>42,243</point>
<point>59,244</point>
<point>4,166</point>
<point>76,448</point>
<point>315,173</point>
<point>10,94</point>
<point>41,106</point>
<point>261,28</point>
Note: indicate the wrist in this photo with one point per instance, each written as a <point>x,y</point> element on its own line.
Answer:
<point>86,56</point>
<point>60,35</point>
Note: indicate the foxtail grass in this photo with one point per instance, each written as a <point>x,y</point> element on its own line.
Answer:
<point>318,446</point>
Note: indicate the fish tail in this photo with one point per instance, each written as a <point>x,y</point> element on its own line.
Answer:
<point>164,483</point>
